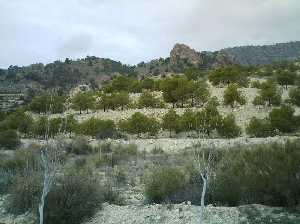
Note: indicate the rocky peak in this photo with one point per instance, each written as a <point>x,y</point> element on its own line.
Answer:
<point>183,53</point>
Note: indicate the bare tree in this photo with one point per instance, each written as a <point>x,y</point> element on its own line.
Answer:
<point>204,159</point>
<point>50,160</point>
<point>51,155</point>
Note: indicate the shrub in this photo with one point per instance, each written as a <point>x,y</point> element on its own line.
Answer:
<point>170,121</point>
<point>283,119</point>
<point>9,139</point>
<point>232,95</point>
<point>258,100</point>
<point>139,123</point>
<point>228,128</point>
<point>163,183</point>
<point>24,193</point>
<point>208,119</point>
<point>255,84</point>
<point>260,128</point>
<point>77,196</point>
<point>23,160</point>
<point>269,93</point>
<point>46,103</point>
<point>286,78</point>
<point>147,99</point>
<point>229,74</point>
<point>100,129</point>
<point>263,174</point>
<point>294,95</point>
<point>79,146</point>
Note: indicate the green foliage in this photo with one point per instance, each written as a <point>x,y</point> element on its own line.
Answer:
<point>193,73</point>
<point>294,95</point>
<point>200,94</point>
<point>83,101</point>
<point>260,128</point>
<point>283,119</point>
<point>120,99</point>
<point>175,89</point>
<point>47,104</point>
<point>258,100</point>
<point>148,99</point>
<point>79,146</point>
<point>121,83</point>
<point>285,78</point>
<point>261,174</point>
<point>269,93</point>
<point>255,84</point>
<point>148,84</point>
<point>19,120</point>
<point>232,96</point>
<point>97,128</point>
<point>24,193</point>
<point>229,74</point>
<point>187,121</point>
<point>228,127</point>
<point>77,196</point>
<point>208,119</point>
<point>44,126</point>
<point>114,100</point>
<point>139,123</point>
<point>170,121</point>
<point>9,139</point>
<point>163,183</point>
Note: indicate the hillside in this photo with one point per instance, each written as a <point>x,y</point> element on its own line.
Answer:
<point>261,55</point>
<point>62,76</point>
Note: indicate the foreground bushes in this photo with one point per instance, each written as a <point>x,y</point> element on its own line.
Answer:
<point>163,184</point>
<point>260,174</point>
<point>9,139</point>
<point>266,174</point>
<point>75,196</point>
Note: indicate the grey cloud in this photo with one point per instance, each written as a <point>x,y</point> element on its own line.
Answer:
<point>136,30</point>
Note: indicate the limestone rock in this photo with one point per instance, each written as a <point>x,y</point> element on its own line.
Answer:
<point>183,53</point>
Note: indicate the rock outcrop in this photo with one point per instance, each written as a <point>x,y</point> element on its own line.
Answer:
<point>182,53</point>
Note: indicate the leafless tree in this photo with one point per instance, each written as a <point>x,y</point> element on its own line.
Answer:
<point>50,155</point>
<point>204,158</point>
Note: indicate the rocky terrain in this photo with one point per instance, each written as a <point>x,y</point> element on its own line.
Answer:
<point>189,214</point>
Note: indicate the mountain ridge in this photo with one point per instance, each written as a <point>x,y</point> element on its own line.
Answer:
<point>94,70</point>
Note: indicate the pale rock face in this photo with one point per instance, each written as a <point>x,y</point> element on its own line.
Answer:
<point>182,52</point>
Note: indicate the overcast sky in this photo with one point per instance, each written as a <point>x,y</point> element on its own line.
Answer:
<point>131,31</point>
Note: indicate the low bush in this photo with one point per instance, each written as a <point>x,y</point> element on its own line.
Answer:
<point>75,196</point>
<point>24,193</point>
<point>163,184</point>
<point>294,95</point>
<point>9,139</point>
<point>100,129</point>
<point>260,128</point>
<point>139,124</point>
<point>261,174</point>
<point>228,127</point>
<point>283,119</point>
<point>79,146</point>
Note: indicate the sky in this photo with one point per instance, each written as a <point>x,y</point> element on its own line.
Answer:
<point>132,31</point>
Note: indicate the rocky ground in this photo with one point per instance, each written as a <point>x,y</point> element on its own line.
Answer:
<point>189,214</point>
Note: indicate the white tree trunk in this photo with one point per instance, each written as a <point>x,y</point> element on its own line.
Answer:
<point>204,186</point>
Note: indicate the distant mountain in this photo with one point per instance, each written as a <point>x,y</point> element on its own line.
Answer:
<point>62,76</point>
<point>260,55</point>
<point>182,57</point>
